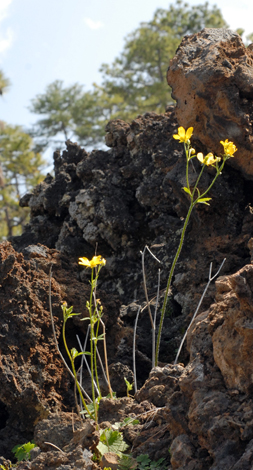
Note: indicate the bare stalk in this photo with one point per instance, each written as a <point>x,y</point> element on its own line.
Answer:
<point>84,359</point>
<point>155,314</point>
<point>210,279</point>
<point>134,349</point>
<point>153,322</point>
<point>106,360</point>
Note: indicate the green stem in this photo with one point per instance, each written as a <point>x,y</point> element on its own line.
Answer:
<point>186,149</point>
<point>95,357</point>
<point>169,282</point>
<point>193,203</point>
<point>219,170</point>
<point>92,349</point>
<point>73,367</point>
<point>197,182</point>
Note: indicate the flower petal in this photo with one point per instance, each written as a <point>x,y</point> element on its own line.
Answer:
<point>200,157</point>
<point>84,262</point>
<point>189,133</point>
<point>181,132</point>
<point>92,263</point>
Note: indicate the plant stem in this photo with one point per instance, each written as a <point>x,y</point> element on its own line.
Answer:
<point>106,361</point>
<point>92,348</point>
<point>169,281</point>
<point>73,367</point>
<point>95,356</point>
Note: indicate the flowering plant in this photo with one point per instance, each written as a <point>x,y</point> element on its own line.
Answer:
<point>184,136</point>
<point>95,310</point>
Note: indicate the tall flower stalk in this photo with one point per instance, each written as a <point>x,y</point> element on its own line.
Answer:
<point>195,198</point>
<point>95,311</point>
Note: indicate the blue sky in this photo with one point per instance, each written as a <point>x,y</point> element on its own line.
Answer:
<point>45,40</point>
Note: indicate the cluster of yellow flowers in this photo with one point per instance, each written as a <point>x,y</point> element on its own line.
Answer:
<point>184,137</point>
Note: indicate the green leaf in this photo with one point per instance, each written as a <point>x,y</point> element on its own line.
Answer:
<point>22,452</point>
<point>67,312</point>
<point>204,200</point>
<point>187,190</point>
<point>128,421</point>
<point>127,462</point>
<point>143,461</point>
<point>158,464</point>
<point>128,385</point>
<point>75,353</point>
<point>111,441</point>
<point>101,336</point>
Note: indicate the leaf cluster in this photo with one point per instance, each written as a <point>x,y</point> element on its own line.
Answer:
<point>20,170</point>
<point>22,452</point>
<point>142,462</point>
<point>111,441</point>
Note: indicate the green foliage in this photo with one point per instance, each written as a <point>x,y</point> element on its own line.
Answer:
<point>138,76</point>
<point>4,83</point>
<point>22,452</point>
<point>68,113</point>
<point>145,463</point>
<point>111,441</point>
<point>142,462</point>
<point>95,311</point>
<point>127,462</point>
<point>20,170</point>
<point>133,84</point>
<point>128,386</point>
<point>127,421</point>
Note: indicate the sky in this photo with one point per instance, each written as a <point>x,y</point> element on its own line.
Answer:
<point>45,40</point>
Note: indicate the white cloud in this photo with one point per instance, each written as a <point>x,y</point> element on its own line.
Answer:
<point>92,24</point>
<point>6,39</point>
<point>6,42</point>
<point>4,4</point>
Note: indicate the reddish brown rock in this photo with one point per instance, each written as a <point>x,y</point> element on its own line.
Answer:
<point>211,77</point>
<point>33,379</point>
<point>232,329</point>
<point>110,459</point>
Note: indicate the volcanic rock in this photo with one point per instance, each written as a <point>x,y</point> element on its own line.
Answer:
<point>211,77</point>
<point>115,203</point>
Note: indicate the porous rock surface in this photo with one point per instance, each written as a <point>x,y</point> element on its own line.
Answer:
<point>123,199</point>
<point>211,77</point>
<point>33,379</point>
<point>207,404</point>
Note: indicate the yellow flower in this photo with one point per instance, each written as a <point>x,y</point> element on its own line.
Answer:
<point>183,136</point>
<point>209,159</point>
<point>229,148</point>
<point>92,263</point>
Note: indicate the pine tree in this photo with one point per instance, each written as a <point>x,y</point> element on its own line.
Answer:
<point>134,84</point>
<point>20,171</point>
